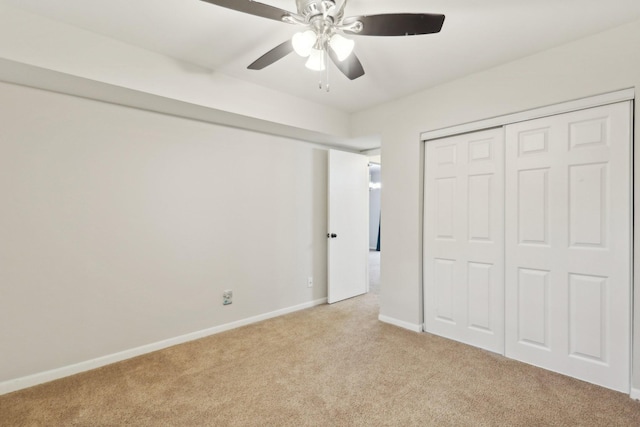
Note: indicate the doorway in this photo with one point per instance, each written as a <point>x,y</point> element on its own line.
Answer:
<point>375,189</point>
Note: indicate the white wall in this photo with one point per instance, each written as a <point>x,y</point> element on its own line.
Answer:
<point>122,227</point>
<point>601,63</point>
<point>35,40</point>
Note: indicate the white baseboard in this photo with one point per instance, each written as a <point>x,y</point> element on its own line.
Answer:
<point>635,393</point>
<point>400,323</point>
<point>65,371</point>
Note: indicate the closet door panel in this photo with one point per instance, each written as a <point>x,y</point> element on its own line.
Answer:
<point>568,244</point>
<point>464,254</point>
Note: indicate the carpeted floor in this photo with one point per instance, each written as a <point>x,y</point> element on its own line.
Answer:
<point>327,366</point>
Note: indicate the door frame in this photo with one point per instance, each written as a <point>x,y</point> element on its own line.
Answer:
<point>551,110</point>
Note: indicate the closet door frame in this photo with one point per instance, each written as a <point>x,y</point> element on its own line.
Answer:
<point>536,113</point>
<point>566,107</point>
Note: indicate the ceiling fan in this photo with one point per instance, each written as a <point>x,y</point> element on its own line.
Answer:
<point>325,23</point>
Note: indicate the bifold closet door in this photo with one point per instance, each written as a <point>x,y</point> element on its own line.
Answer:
<point>568,244</point>
<point>464,238</point>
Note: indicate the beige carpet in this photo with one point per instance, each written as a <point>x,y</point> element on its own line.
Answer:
<point>330,365</point>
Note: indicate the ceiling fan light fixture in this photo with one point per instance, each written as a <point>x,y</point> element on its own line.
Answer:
<point>324,24</point>
<point>316,60</point>
<point>303,42</point>
<point>341,46</point>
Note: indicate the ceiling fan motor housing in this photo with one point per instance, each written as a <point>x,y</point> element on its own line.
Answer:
<point>329,8</point>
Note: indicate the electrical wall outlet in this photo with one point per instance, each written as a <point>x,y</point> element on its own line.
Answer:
<point>227,297</point>
<point>310,282</point>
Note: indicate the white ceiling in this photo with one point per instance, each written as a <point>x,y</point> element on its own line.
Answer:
<point>477,34</point>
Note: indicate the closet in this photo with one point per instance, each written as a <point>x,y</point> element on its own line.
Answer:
<point>527,241</point>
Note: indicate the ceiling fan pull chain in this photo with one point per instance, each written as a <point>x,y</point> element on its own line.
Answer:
<point>326,61</point>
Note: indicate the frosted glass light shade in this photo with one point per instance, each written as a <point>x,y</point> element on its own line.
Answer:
<point>341,46</point>
<point>303,42</point>
<point>316,60</point>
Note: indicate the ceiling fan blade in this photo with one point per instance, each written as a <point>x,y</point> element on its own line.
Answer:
<point>272,56</point>
<point>395,24</point>
<point>253,8</point>
<point>350,67</point>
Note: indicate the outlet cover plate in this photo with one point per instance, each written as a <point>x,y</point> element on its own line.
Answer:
<point>227,297</point>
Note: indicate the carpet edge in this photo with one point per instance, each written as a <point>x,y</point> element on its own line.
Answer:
<point>21,383</point>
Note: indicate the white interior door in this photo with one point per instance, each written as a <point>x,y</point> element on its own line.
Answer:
<point>568,244</point>
<point>348,232</point>
<point>464,238</point>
